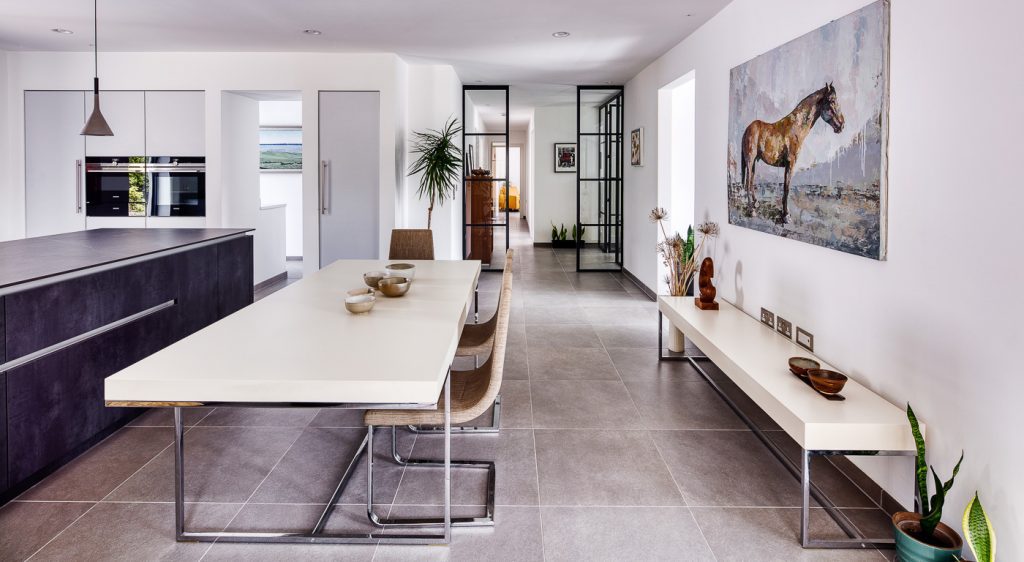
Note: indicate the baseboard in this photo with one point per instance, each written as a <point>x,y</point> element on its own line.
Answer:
<point>639,285</point>
<point>293,258</point>
<point>279,278</point>
<point>542,244</point>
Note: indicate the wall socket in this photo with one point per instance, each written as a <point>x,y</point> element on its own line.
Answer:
<point>784,327</point>
<point>767,317</point>
<point>805,339</point>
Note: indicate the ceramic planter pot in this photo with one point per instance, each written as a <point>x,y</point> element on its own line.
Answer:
<point>911,548</point>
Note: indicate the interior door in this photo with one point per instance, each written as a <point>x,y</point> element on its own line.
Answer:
<point>54,162</point>
<point>349,176</point>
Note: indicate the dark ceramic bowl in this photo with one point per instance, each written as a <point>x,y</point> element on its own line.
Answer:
<point>827,382</point>
<point>800,365</point>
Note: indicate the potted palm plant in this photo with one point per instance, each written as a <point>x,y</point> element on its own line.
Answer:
<point>922,537</point>
<point>440,161</point>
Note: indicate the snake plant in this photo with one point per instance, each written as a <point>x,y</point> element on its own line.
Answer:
<point>981,537</point>
<point>931,509</point>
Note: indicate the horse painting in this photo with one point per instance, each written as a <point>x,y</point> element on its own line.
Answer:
<point>778,144</point>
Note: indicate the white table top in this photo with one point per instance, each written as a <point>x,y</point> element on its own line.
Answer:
<point>300,345</point>
<point>756,358</point>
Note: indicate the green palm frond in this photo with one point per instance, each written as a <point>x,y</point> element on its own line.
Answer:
<point>440,161</point>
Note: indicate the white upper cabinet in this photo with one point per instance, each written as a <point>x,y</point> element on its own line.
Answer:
<point>54,162</point>
<point>126,114</point>
<point>176,123</point>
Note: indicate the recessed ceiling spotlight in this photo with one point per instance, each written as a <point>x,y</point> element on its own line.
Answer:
<point>62,31</point>
<point>312,32</point>
<point>560,34</point>
<point>689,15</point>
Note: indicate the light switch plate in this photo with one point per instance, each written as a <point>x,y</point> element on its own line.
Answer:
<point>767,317</point>
<point>784,327</point>
<point>805,339</point>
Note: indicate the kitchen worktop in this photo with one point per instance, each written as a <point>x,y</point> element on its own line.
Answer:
<point>36,259</point>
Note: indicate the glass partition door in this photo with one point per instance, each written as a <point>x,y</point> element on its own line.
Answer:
<point>599,185</point>
<point>485,196</point>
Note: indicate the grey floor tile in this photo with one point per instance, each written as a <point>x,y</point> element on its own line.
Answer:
<point>541,299</point>
<point>26,526</point>
<point>552,363</point>
<point>568,314</point>
<point>643,364</point>
<point>629,336</point>
<point>681,404</point>
<point>516,537</point>
<point>561,336</point>
<point>337,417</point>
<point>588,298</point>
<point>622,533</point>
<point>516,365</point>
<point>622,315</point>
<point>602,468</point>
<point>594,281</point>
<point>743,534</point>
<point>516,405</point>
<point>583,404</point>
<point>95,473</point>
<point>516,476</point>
<point>222,464</point>
<point>164,417</point>
<point>259,417</point>
<point>726,468</point>
<point>136,531</point>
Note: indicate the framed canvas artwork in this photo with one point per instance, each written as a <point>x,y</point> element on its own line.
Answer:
<point>808,128</point>
<point>565,157</point>
<point>636,147</point>
<point>280,148</point>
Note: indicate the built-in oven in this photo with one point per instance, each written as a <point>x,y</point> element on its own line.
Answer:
<point>177,186</point>
<point>115,186</point>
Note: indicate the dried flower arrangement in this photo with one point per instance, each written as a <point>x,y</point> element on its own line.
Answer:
<point>680,254</point>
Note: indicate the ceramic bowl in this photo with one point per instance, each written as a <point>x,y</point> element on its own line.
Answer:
<point>361,291</point>
<point>360,304</point>
<point>372,278</point>
<point>406,270</point>
<point>800,365</point>
<point>827,382</point>
<point>393,286</point>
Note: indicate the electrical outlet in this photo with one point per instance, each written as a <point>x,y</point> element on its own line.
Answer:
<point>784,327</point>
<point>767,317</point>
<point>805,339</point>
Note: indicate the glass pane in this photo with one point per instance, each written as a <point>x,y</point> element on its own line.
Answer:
<point>486,244</point>
<point>593,106</point>
<point>485,111</point>
<point>485,154</point>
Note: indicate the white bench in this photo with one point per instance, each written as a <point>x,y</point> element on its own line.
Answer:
<point>756,359</point>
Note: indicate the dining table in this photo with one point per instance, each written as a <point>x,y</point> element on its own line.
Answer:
<point>300,348</point>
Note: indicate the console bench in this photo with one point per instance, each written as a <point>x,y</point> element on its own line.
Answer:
<point>756,359</point>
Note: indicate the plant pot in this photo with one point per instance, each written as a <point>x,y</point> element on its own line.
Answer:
<point>946,545</point>
<point>566,243</point>
<point>676,340</point>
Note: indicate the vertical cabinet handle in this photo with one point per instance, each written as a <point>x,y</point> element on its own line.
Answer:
<point>78,187</point>
<point>325,189</point>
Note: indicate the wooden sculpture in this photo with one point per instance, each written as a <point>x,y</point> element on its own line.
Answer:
<point>706,300</point>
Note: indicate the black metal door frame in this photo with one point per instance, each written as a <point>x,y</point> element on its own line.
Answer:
<point>467,174</point>
<point>611,179</point>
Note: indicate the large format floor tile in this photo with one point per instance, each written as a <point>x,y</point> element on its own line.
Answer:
<point>595,468</point>
<point>622,533</point>
<point>552,363</point>
<point>516,537</point>
<point>583,405</point>
<point>26,526</point>
<point>680,404</point>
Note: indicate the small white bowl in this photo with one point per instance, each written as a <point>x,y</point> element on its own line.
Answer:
<point>371,278</point>
<point>406,270</point>
<point>360,304</point>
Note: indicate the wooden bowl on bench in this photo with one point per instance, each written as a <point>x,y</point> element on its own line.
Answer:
<point>800,365</point>
<point>826,381</point>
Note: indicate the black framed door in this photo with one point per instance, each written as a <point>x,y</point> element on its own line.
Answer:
<point>599,178</point>
<point>485,123</point>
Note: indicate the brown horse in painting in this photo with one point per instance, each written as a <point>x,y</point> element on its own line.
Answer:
<point>778,144</point>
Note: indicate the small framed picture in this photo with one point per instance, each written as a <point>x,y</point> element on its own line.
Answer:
<point>636,147</point>
<point>565,157</point>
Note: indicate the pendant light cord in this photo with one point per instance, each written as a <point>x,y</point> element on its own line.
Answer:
<point>95,40</point>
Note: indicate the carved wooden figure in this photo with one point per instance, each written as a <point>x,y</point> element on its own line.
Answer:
<point>706,300</point>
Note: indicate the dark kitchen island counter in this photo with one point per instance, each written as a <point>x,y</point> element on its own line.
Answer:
<point>76,308</point>
<point>35,259</point>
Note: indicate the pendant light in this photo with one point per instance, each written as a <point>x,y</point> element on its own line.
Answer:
<point>96,126</point>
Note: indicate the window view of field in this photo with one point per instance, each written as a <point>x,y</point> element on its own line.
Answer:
<point>137,189</point>
<point>280,149</point>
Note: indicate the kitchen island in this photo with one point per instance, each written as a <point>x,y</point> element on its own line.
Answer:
<point>77,307</point>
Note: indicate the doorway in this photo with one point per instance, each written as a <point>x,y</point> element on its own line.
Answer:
<point>485,196</point>
<point>510,192</point>
<point>281,171</point>
<point>599,183</point>
<point>677,108</point>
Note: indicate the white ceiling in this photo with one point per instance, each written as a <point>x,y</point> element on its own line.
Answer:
<point>487,41</point>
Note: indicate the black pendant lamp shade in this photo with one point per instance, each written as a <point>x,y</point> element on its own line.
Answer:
<point>96,125</point>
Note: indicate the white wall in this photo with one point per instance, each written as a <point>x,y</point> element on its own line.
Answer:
<point>216,72</point>
<point>905,327</point>
<point>240,184</point>
<point>434,95</point>
<point>531,172</point>
<point>554,194</point>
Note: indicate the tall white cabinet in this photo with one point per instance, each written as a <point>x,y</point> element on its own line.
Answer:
<point>175,123</point>
<point>54,162</point>
<point>125,112</point>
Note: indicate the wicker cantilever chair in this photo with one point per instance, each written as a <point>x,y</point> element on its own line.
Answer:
<point>476,341</point>
<point>411,244</point>
<point>472,393</point>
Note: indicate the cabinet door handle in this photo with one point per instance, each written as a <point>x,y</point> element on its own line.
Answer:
<point>325,189</point>
<point>78,187</point>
